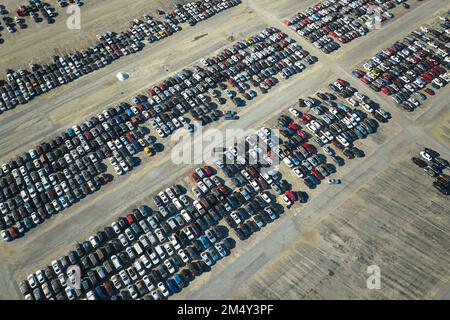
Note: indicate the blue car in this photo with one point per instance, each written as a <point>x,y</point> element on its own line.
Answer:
<point>204,241</point>
<point>128,113</point>
<point>137,229</point>
<point>70,133</point>
<point>172,286</point>
<point>295,160</point>
<point>179,280</point>
<point>214,254</point>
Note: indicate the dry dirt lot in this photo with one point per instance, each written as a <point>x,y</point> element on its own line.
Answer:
<point>385,212</point>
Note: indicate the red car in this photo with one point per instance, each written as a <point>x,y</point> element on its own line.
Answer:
<point>307,117</point>
<point>429,91</point>
<point>106,178</point>
<point>12,233</point>
<point>385,91</point>
<point>222,189</point>
<point>130,218</point>
<point>195,178</point>
<point>207,170</point>
<point>316,174</point>
<point>427,76</point>
<point>301,133</point>
<point>342,82</point>
<point>151,92</point>
<point>307,147</point>
<point>293,126</point>
<point>129,136</point>
<point>291,195</point>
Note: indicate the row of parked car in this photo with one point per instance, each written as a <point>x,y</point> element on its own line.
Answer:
<point>255,60</point>
<point>409,66</point>
<point>146,254</point>
<point>331,121</point>
<point>23,85</point>
<point>331,22</point>
<point>34,9</point>
<point>58,173</point>
<point>434,165</point>
<point>115,133</point>
<point>249,206</point>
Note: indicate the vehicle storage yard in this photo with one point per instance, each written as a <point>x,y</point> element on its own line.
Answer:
<point>384,212</point>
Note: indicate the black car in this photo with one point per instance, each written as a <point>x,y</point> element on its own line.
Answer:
<point>241,235</point>
<point>442,188</point>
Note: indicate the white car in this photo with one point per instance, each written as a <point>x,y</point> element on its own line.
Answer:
<point>32,281</point>
<point>286,200</point>
<point>255,185</point>
<point>160,235</point>
<point>125,278</point>
<point>185,215</point>
<point>360,96</point>
<point>366,107</point>
<point>163,197</point>
<point>118,170</point>
<point>174,242</point>
<point>156,295</point>
<point>183,255</point>
<point>426,155</point>
<point>265,196</point>
<point>124,166</point>
<point>148,283</point>
<point>162,288</point>
<point>206,258</point>
<point>299,173</point>
<point>295,112</point>
<point>177,203</point>
<point>116,227</point>
<point>236,218</point>
<point>94,242</point>
<point>169,266</point>
<point>220,249</point>
<point>202,186</point>
<point>56,267</point>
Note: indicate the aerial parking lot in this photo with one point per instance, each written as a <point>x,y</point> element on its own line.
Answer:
<point>337,159</point>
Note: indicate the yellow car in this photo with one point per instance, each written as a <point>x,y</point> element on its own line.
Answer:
<point>250,41</point>
<point>141,142</point>
<point>375,72</point>
<point>149,151</point>
<point>162,33</point>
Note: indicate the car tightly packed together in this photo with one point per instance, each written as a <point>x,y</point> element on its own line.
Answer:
<point>342,21</point>
<point>23,85</point>
<point>145,254</point>
<point>33,9</point>
<point>56,174</point>
<point>408,66</point>
<point>251,165</point>
<point>434,165</point>
<point>153,254</point>
<point>256,60</point>
<point>332,122</point>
